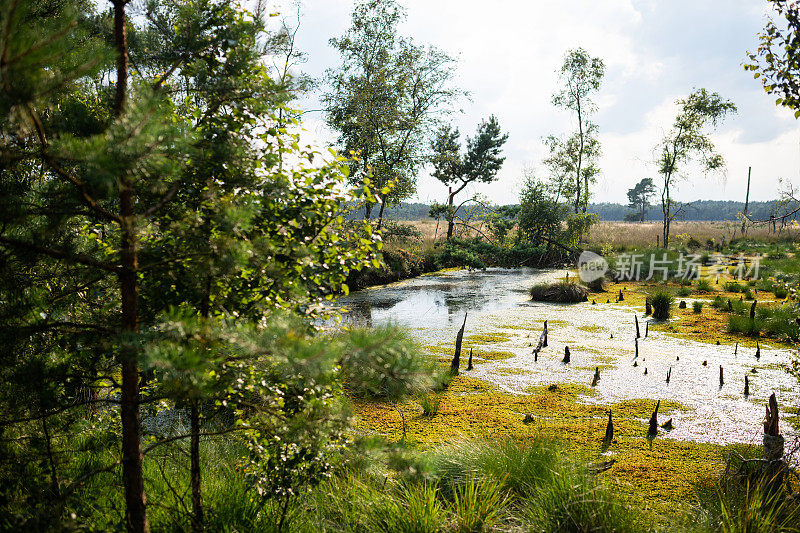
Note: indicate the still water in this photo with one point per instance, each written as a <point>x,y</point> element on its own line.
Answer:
<point>496,303</point>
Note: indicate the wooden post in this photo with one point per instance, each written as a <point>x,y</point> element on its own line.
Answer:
<point>544,332</point>
<point>636,320</point>
<point>669,374</point>
<point>646,329</point>
<point>746,386</point>
<point>721,378</point>
<point>596,377</point>
<point>609,436</point>
<point>469,363</point>
<point>636,347</point>
<point>621,297</point>
<point>758,351</point>
<point>774,466</point>
<point>566,355</point>
<point>457,357</point>
<point>753,311</point>
<point>645,371</point>
<point>736,349</point>
<point>653,429</point>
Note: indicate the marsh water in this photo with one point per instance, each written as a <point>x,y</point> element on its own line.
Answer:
<point>501,317</point>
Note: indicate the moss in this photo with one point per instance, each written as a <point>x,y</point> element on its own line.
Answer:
<point>492,355</point>
<point>507,371</point>
<point>659,473</point>
<point>487,338</point>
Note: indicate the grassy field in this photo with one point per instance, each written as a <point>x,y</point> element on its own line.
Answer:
<point>632,234</point>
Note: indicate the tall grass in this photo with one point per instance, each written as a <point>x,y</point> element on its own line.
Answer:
<point>661,301</point>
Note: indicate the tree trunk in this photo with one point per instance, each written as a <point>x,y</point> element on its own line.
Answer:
<point>450,214</point>
<point>196,480</point>
<point>380,213</point>
<point>136,510</point>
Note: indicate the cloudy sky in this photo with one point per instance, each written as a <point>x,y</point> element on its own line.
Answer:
<point>655,51</point>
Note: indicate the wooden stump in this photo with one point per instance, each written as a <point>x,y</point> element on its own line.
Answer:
<point>753,311</point>
<point>721,377</point>
<point>758,351</point>
<point>457,357</point>
<point>596,377</point>
<point>746,386</point>
<point>566,355</point>
<point>669,374</point>
<point>648,309</point>
<point>609,436</point>
<point>469,363</point>
<point>774,465</point>
<point>652,431</point>
<point>636,321</point>
<point>621,297</point>
<point>646,329</point>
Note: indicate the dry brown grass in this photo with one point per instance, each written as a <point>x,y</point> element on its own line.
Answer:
<point>629,234</point>
<point>645,233</point>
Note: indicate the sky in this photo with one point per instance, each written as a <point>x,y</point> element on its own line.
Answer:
<point>655,51</point>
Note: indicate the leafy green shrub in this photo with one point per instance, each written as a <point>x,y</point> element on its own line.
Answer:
<point>384,362</point>
<point>703,285</point>
<point>780,292</point>
<point>560,291</point>
<point>693,244</point>
<point>661,301</point>
<point>684,291</point>
<point>748,294</point>
<point>719,303</point>
<point>697,306</point>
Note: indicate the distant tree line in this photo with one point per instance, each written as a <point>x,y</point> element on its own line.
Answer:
<point>700,210</point>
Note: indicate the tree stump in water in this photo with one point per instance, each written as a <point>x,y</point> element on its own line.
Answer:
<point>636,320</point>
<point>667,425</point>
<point>721,378</point>
<point>635,364</point>
<point>636,347</point>
<point>758,351</point>
<point>705,363</point>
<point>457,357</point>
<point>652,431</point>
<point>646,329</point>
<point>645,371</point>
<point>774,465</point>
<point>669,374</point>
<point>596,377</point>
<point>469,363</point>
<point>746,386</point>
<point>566,355</point>
<point>609,436</point>
<point>736,349</point>
<point>544,332</point>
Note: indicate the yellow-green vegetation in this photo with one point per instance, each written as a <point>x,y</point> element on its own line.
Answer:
<point>507,371</point>
<point>492,355</point>
<point>487,338</point>
<point>661,471</point>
